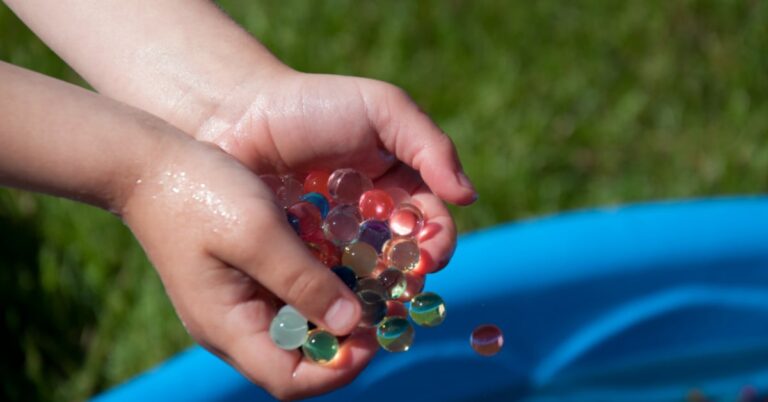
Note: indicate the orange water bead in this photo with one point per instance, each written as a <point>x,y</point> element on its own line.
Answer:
<point>317,182</point>
<point>376,204</point>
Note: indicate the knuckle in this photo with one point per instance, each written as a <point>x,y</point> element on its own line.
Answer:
<point>303,289</point>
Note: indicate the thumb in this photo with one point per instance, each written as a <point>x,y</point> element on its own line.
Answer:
<point>277,258</point>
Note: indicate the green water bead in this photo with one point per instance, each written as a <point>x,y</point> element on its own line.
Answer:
<point>373,285</point>
<point>321,346</point>
<point>394,282</point>
<point>427,309</point>
<point>395,334</point>
<point>288,329</point>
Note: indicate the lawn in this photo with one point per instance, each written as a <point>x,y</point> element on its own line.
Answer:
<point>553,106</point>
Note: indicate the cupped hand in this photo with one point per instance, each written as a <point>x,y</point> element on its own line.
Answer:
<point>228,259</point>
<point>294,122</point>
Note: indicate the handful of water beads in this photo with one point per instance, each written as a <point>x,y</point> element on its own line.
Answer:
<point>370,242</point>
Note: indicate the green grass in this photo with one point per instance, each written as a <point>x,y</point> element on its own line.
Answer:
<point>553,105</point>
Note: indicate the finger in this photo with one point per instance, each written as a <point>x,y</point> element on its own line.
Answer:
<point>277,259</point>
<point>237,330</point>
<point>411,135</point>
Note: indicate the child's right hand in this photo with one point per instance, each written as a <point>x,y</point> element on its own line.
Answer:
<point>227,257</point>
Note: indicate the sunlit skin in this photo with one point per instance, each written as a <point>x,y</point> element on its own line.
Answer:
<point>192,66</point>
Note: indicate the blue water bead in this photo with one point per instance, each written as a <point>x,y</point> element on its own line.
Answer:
<point>375,233</point>
<point>347,275</point>
<point>293,220</point>
<point>319,201</point>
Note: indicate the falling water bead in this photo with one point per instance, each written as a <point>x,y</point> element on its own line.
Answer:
<point>317,182</point>
<point>402,253</point>
<point>395,334</point>
<point>414,284</point>
<point>288,329</point>
<point>342,224</point>
<point>376,204</point>
<point>394,282</point>
<point>427,309</point>
<point>406,220</point>
<point>347,275</point>
<point>375,233</point>
<point>361,257</point>
<point>325,251</point>
<point>373,285</point>
<point>347,185</point>
<point>486,340</point>
<point>320,346</point>
<point>308,216</point>
<point>317,200</point>
<point>373,306</point>
<point>290,191</point>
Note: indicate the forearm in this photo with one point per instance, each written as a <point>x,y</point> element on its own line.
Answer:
<point>178,59</point>
<point>63,140</point>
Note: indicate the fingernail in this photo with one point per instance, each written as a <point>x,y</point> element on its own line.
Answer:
<point>339,317</point>
<point>466,183</point>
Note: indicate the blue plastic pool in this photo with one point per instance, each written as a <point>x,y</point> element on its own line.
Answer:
<point>636,303</point>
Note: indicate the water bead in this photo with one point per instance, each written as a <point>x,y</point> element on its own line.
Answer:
<point>414,285</point>
<point>427,309</point>
<point>375,233</point>
<point>308,217</point>
<point>347,185</point>
<point>395,334</point>
<point>342,225</point>
<point>288,329</point>
<point>373,308</point>
<point>293,220</point>
<point>347,275</point>
<point>406,220</point>
<point>273,182</point>
<point>402,253</point>
<point>319,201</point>
<point>290,191</point>
<point>361,257</point>
<point>317,182</point>
<point>325,251</point>
<point>376,204</point>
<point>396,309</point>
<point>398,195</point>
<point>320,346</point>
<point>394,282</point>
<point>486,340</point>
<point>372,285</point>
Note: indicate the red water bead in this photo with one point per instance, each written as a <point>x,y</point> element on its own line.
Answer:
<point>310,220</point>
<point>376,204</point>
<point>317,182</point>
<point>326,252</point>
<point>406,221</point>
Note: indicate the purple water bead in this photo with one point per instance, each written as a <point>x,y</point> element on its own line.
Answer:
<point>375,233</point>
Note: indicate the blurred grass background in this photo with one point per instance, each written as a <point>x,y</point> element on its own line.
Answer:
<point>553,105</point>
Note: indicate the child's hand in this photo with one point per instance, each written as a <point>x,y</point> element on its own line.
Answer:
<point>302,122</point>
<point>224,251</point>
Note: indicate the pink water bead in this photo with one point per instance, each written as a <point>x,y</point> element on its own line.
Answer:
<point>347,185</point>
<point>308,216</point>
<point>406,220</point>
<point>376,204</point>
